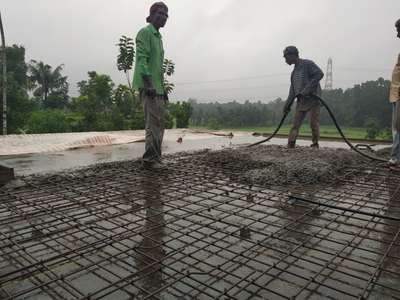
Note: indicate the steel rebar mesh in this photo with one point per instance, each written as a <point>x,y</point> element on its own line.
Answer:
<point>198,231</point>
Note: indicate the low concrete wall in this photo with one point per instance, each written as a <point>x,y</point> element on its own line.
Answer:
<point>38,143</point>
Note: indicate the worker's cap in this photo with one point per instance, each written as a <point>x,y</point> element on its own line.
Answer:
<point>290,50</point>
<point>154,8</point>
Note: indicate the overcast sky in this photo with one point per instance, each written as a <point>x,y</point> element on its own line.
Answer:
<point>223,49</point>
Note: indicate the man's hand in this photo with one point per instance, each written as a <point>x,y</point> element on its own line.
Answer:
<point>304,94</point>
<point>149,90</point>
<point>286,108</point>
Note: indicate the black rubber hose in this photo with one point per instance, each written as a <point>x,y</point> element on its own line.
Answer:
<point>344,137</point>
<point>277,128</point>
<point>274,133</point>
<point>336,125</point>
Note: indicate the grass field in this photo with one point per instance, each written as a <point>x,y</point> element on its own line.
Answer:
<point>326,131</point>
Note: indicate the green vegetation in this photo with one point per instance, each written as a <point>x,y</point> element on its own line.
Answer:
<point>364,106</point>
<point>38,100</point>
<point>326,131</point>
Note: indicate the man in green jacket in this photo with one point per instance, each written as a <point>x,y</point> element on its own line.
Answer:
<point>148,79</point>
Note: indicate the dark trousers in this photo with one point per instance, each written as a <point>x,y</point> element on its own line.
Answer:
<point>300,115</point>
<point>154,110</point>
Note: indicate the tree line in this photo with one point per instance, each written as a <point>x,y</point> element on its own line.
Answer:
<point>365,105</point>
<point>38,98</point>
<point>39,102</point>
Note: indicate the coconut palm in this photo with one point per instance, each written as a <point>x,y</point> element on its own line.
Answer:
<point>44,80</point>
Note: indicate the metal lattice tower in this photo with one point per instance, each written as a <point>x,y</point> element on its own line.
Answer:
<point>329,76</point>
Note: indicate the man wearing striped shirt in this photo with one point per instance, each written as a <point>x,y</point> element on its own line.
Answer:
<point>305,79</point>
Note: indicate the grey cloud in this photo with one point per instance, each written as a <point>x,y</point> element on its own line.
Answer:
<point>211,40</point>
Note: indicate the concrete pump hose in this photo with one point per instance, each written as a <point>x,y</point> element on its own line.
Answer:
<point>336,125</point>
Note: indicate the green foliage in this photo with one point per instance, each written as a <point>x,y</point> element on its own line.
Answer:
<point>352,108</point>
<point>98,107</point>
<point>373,130</point>
<point>234,114</point>
<point>181,112</point>
<point>125,101</point>
<point>126,56</point>
<point>130,108</point>
<point>386,134</point>
<point>105,108</point>
<point>19,106</point>
<point>168,120</point>
<point>212,124</point>
<point>47,121</point>
<point>326,130</point>
<point>168,67</point>
<point>75,121</point>
<point>168,70</point>
<point>95,101</point>
<point>101,106</point>
<point>138,121</point>
<point>48,85</point>
<point>57,99</point>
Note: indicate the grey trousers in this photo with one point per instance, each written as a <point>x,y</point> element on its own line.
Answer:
<point>154,110</point>
<point>396,133</point>
<point>299,117</point>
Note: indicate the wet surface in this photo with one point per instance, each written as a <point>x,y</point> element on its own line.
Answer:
<point>56,161</point>
<point>197,231</point>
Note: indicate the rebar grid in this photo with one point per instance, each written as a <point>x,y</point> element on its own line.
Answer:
<point>198,231</point>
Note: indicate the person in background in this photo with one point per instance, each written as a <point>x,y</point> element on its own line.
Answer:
<point>305,79</point>
<point>394,98</point>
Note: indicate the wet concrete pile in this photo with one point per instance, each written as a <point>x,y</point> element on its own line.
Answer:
<point>384,152</point>
<point>277,165</point>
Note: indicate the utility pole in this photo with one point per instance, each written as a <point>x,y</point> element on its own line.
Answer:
<point>329,76</point>
<point>3,43</point>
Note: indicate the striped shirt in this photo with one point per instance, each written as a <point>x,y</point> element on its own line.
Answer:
<point>305,79</point>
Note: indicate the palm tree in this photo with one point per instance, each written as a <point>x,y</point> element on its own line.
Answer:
<point>44,79</point>
<point>3,43</point>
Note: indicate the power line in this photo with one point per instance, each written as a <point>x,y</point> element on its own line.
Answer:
<point>234,79</point>
<point>240,88</point>
<point>351,69</point>
<point>287,84</point>
<point>348,69</point>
